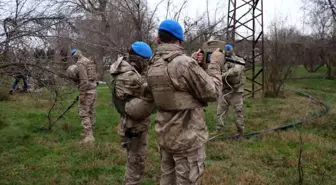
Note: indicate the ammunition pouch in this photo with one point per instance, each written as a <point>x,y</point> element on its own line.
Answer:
<point>90,68</point>
<point>91,71</point>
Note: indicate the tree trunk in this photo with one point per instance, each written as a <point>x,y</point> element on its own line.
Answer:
<point>330,70</point>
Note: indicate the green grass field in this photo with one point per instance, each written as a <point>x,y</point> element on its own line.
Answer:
<point>29,156</point>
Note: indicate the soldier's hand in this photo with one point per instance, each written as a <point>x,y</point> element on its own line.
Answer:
<point>217,56</point>
<point>194,54</point>
<point>198,56</point>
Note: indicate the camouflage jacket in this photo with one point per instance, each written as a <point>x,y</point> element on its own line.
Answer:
<point>128,83</point>
<point>184,130</point>
<point>86,75</point>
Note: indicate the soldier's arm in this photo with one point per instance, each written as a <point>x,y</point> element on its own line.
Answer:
<point>217,60</point>
<point>83,79</point>
<point>133,84</point>
<point>201,85</point>
<point>135,80</point>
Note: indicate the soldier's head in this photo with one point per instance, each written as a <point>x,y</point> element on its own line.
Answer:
<point>75,54</point>
<point>139,53</point>
<point>170,32</point>
<point>229,50</point>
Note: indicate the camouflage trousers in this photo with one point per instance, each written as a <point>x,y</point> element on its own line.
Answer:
<point>87,112</point>
<point>235,100</point>
<point>183,168</point>
<point>136,152</point>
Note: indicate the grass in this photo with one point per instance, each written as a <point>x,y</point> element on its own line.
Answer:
<point>28,156</point>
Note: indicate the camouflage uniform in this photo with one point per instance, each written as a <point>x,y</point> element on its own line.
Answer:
<point>181,90</point>
<point>86,73</point>
<point>233,75</point>
<point>129,85</point>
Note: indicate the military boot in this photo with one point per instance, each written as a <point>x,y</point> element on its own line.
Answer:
<point>83,133</point>
<point>240,133</point>
<point>219,129</point>
<point>88,137</point>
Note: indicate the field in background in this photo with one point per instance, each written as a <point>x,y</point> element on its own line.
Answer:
<point>28,156</point>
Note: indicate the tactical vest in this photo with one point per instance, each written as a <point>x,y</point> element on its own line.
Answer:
<point>91,71</point>
<point>90,68</point>
<point>166,97</point>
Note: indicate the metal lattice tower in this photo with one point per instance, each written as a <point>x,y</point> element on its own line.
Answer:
<point>245,31</point>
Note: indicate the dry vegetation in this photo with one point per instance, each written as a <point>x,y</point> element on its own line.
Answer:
<point>30,156</point>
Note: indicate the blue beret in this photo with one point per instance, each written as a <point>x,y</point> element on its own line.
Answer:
<point>73,51</point>
<point>173,28</point>
<point>142,49</point>
<point>228,47</point>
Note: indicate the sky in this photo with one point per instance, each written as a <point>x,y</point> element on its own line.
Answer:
<point>288,10</point>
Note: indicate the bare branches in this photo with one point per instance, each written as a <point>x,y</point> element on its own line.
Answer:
<point>333,9</point>
<point>280,56</point>
<point>200,29</point>
<point>168,8</point>
<point>102,29</point>
<point>178,13</point>
<point>27,23</point>
<point>174,11</point>
<point>323,23</point>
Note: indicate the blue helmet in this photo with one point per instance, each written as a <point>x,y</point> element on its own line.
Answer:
<point>173,28</point>
<point>142,49</point>
<point>73,51</point>
<point>228,47</point>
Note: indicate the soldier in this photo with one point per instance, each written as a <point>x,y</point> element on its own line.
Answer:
<point>20,72</point>
<point>84,73</point>
<point>18,75</point>
<point>232,93</point>
<point>134,107</point>
<point>181,90</point>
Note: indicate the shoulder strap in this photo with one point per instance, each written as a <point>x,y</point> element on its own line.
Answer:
<point>170,57</point>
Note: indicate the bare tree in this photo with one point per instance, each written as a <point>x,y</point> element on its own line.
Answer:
<point>104,29</point>
<point>174,11</point>
<point>25,27</point>
<point>323,22</point>
<point>280,56</point>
